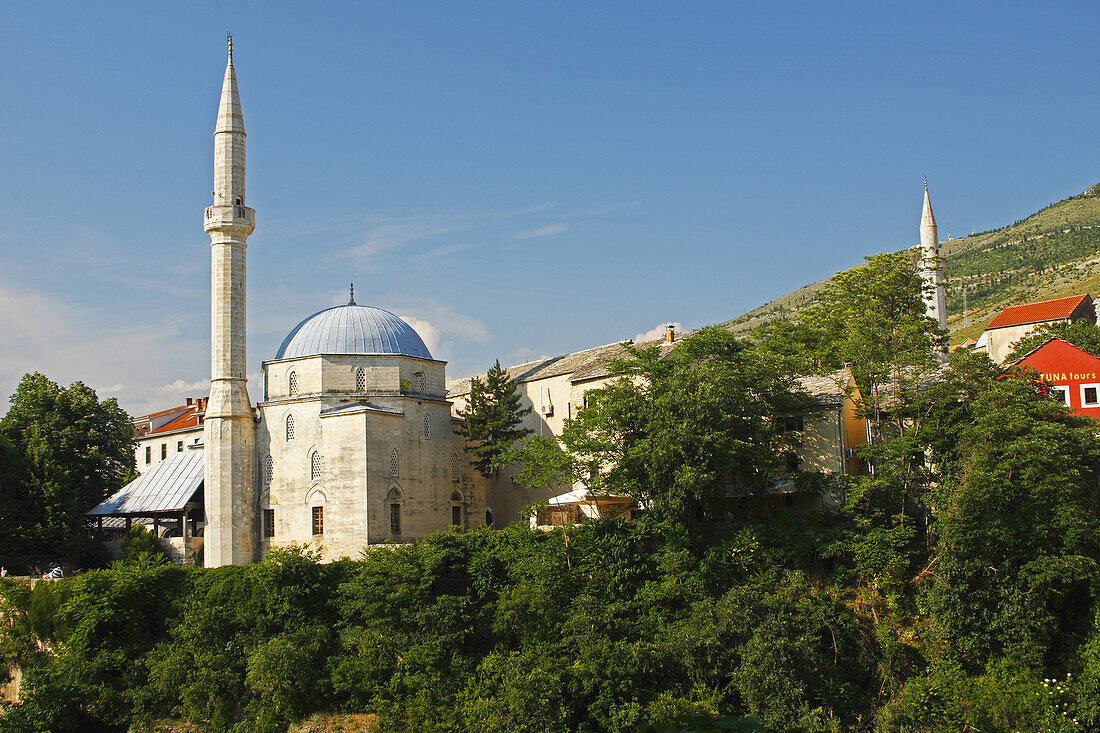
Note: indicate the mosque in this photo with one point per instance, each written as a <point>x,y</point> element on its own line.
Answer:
<point>353,442</point>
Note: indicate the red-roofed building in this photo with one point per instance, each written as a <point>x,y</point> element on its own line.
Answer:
<point>1073,375</point>
<point>1016,321</point>
<point>167,432</point>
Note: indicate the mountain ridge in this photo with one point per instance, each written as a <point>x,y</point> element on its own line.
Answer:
<point>1048,254</point>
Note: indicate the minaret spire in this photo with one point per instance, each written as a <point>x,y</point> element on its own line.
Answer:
<point>933,271</point>
<point>229,435</point>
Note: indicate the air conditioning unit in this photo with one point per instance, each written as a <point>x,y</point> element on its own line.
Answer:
<point>546,410</point>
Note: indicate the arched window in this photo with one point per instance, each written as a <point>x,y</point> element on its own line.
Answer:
<point>394,500</point>
<point>315,466</point>
<point>427,426</point>
<point>395,463</point>
<point>293,383</point>
<point>289,428</point>
<point>269,471</point>
<point>456,508</point>
<point>360,380</point>
<point>454,467</point>
<point>420,383</point>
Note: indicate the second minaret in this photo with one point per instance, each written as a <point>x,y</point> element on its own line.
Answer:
<point>933,271</point>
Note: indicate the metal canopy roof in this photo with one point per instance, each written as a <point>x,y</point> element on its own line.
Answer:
<point>166,488</point>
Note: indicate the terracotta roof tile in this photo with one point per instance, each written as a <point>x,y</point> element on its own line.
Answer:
<point>1044,310</point>
<point>189,419</point>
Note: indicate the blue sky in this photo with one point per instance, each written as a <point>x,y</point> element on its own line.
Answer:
<point>516,179</point>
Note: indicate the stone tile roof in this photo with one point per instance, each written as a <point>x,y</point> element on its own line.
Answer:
<point>589,361</point>
<point>595,363</point>
<point>827,389</point>
<point>1044,310</point>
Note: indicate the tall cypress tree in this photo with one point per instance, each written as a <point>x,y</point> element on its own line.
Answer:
<point>493,418</point>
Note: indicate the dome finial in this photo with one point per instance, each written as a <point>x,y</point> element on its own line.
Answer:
<point>229,43</point>
<point>351,300</point>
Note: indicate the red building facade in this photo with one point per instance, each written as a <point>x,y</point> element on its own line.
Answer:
<point>1073,375</point>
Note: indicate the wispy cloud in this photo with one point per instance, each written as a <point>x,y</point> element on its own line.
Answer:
<point>180,387</point>
<point>394,235</point>
<point>620,207</point>
<point>44,333</point>
<point>445,251</point>
<point>545,231</point>
<point>525,354</point>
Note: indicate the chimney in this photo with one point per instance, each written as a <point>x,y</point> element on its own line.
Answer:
<point>670,335</point>
<point>189,401</point>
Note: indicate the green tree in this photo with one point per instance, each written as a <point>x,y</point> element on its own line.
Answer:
<point>73,451</point>
<point>492,422</point>
<point>1015,521</point>
<point>872,319</point>
<point>142,546</point>
<point>676,429</point>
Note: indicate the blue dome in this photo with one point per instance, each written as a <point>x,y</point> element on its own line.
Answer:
<point>352,329</point>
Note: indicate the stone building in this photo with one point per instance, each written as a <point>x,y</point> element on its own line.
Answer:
<point>161,434</point>
<point>554,388</point>
<point>1016,321</point>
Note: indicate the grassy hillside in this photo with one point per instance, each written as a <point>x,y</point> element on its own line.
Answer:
<point>1053,252</point>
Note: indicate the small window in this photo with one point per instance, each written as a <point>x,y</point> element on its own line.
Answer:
<point>289,428</point>
<point>360,380</point>
<point>315,466</point>
<point>293,383</point>
<point>1090,395</point>
<point>427,426</point>
<point>179,446</point>
<point>395,464</point>
<point>318,520</point>
<point>163,451</point>
<point>148,454</point>
<point>1061,394</point>
<point>269,471</point>
<point>420,388</point>
<point>395,520</point>
<point>788,501</point>
<point>269,523</point>
<point>456,515</point>
<point>454,467</point>
<point>791,424</point>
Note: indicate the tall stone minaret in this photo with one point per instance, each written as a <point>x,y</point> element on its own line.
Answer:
<point>933,271</point>
<point>230,537</point>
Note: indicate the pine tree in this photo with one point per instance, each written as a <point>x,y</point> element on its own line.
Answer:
<point>492,424</point>
<point>493,417</point>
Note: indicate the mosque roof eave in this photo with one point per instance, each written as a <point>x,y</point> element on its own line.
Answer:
<point>284,359</point>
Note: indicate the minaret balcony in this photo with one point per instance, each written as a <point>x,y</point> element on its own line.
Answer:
<point>229,217</point>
